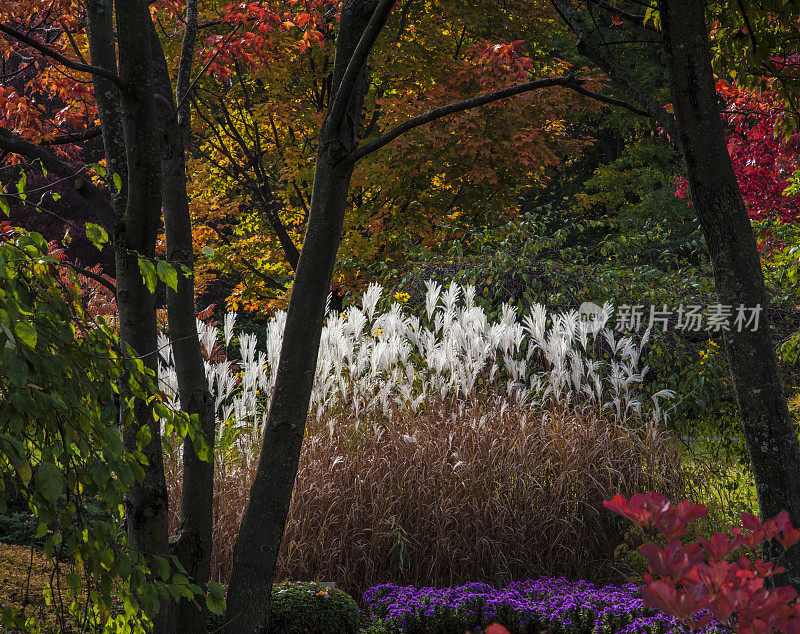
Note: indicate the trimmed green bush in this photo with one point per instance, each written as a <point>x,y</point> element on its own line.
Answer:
<point>311,608</point>
<point>307,608</point>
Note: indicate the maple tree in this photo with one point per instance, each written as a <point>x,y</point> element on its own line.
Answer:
<point>255,165</point>
<point>764,158</point>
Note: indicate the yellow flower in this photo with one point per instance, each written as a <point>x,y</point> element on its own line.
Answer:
<point>402,297</point>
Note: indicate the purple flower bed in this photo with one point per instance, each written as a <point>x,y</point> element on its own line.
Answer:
<point>526,607</point>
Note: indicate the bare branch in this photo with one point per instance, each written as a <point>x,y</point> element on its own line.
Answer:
<point>93,195</point>
<point>588,47</point>
<point>357,61</point>
<point>45,50</point>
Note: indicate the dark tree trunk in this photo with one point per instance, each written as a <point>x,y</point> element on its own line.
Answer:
<point>261,531</point>
<point>146,504</point>
<point>102,51</point>
<point>192,544</point>
<point>771,438</point>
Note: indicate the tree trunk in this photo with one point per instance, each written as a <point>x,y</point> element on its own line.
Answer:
<point>102,51</point>
<point>192,543</point>
<point>146,503</point>
<point>257,545</point>
<point>771,438</point>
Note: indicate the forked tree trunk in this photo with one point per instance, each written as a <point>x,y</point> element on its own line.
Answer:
<point>256,551</point>
<point>768,428</point>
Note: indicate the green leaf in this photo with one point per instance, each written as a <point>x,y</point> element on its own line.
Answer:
<point>24,472</point>
<point>49,481</point>
<point>26,333</point>
<point>208,252</point>
<point>143,437</point>
<point>41,530</point>
<point>100,169</point>
<point>163,568</point>
<point>4,206</point>
<point>201,448</point>
<point>17,371</point>
<point>149,275</point>
<point>215,599</point>
<point>168,275</point>
<point>96,235</point>
<point>21,183</point>
<point>117,181</point>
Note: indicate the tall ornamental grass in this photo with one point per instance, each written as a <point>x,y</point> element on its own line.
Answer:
<point>443,447</point>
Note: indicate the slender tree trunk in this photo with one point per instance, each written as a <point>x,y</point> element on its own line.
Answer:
<point>261,531</point>
<point>146,504</point>
<point>192,544</point>
<point>771,438</point>
<point>102,51</point>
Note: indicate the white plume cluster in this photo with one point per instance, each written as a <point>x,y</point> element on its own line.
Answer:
<point>376,365</point>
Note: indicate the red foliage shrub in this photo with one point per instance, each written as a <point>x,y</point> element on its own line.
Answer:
<point>701,575</point>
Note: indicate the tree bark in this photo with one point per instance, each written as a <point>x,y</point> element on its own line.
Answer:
<point>192,543</point>
<point>261,531</point>
<point>135,236</point>
<point>771,438</point>
<point>102,51</point>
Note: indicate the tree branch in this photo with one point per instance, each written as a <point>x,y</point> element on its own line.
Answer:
<point>612,101</point>
<point>630,17</point>
<point>270,281</point>
<point>185,67</point>
<point>74,137</point>
<point>45,50</point>
<point>588,47</point>
<point>86,189</point>
<point>438,113</point>
<point>357,61</point>
<point>91,275</point>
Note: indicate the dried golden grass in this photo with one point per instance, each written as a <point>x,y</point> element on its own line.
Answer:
<point>439,499</point>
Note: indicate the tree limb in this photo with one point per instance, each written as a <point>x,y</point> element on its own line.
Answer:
<point>588,47</point>
<point>438,113</point>
<point>357,61</point>
<point>612,101</point>
<point>46,50</point>
<point>74,137</point>
<point>185,67</point>
<point>86,189</point>
<point>268,279</point>
<point>638,20</point>
<point>91,275</point>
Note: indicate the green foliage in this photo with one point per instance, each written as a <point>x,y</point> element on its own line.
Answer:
<point>310,608</point>
<point>60,449</point>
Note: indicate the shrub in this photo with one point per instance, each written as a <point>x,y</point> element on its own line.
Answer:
<point>527,607</point>
<point>700,580</point>
<point>60,372</point>
<point>311,608</point>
